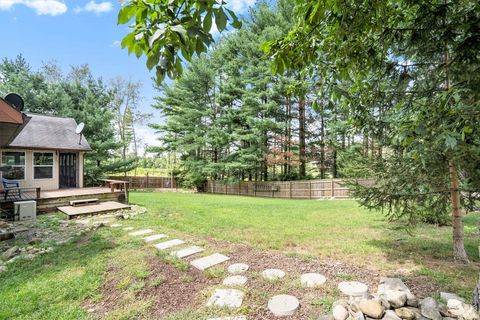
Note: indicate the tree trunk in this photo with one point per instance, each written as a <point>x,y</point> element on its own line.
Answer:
<point>322,147</point>
<point>459,253</point>
<point>334,164</point>
<point>476,295</point>
<point>301,136</point>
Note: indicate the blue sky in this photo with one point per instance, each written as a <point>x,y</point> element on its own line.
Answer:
<point>78,32</point>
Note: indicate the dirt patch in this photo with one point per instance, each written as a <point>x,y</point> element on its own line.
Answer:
<point>179,290</point>
<point>171,290</point>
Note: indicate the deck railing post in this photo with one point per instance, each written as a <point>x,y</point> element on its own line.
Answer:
<point>38,192</point>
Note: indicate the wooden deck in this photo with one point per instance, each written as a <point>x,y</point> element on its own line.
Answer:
<point>49,200</point>
<point>61,193</point>
<point>102,207</point>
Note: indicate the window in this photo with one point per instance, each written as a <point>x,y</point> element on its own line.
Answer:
<point>42,165</point>
<point>15,161</point>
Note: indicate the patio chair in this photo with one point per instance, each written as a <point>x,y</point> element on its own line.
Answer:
<point>10,185</point>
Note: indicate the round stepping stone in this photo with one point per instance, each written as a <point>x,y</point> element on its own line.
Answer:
<point>237,268</point>
<point>273,274</point>
<point>353,288</point>
<point>235,281</point>
<point>283,305</point>
<point>312,280</point>
<point>229,298</point>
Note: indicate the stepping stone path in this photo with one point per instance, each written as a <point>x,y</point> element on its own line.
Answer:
<point>353,288</point>
<point>154,237</point>
<point>235,281</point>
<point>168,244</point>
<point>280,305</point>
<point>273,274</point>
<point>209,261</point>
<point>116,225</point>
<point>187,252</point>
<point>141,232</point>
<point>229,298</point>
<point>230,318</point>
<point>312,280</point>
<point>237,268</point>
<point>283,305</point>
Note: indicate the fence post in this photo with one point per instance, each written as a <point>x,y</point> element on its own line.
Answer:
<point>226,190</point>
<point>310,190</point>
<point>147,182</point>
<point>239,187</point>
<point>290,188</point>
<point>333,189</point>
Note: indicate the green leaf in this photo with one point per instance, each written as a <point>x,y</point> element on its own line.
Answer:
<point>451,142</point>
<point>152,61</point>
<point>237,24</point>
<point>160,73</point>
<point>221,20</point>
<point>315,106</point>
<point>126,14</point>
<point>128,40</point>
<point>207,22</point>
<point>181,31</point>
<point>158,33</point>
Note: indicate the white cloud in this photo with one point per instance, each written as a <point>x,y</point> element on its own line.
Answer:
<point>147,136</point>
<point>41,7</point>
<point>240,6</point>
<point>115,44</point>
<point>95,7</point>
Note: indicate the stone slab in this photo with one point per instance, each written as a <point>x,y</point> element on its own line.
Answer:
<point>283,305</point>
<point>209,261</point>
<point>128,228</point>
<point>312,280</point>
<point>187,252</point>
<point>448,296</point>
<point>353,288</point>
<point>168,244</point>
<point>236,280</point>
<point>154,237</point>
<point>273,274</point>
<point>237,268</point>
<point>396,284</point>
<point>226,298</point>
<point>115,225</point>
<point>141,232</point>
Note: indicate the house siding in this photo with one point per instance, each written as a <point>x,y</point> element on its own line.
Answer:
<point>45,184</point>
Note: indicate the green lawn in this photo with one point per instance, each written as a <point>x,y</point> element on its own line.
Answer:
<point>63,283</point>
<point>337,229</point>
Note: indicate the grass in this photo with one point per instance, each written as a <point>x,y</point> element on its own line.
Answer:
<point>337,229</point>
<point>60,284</point>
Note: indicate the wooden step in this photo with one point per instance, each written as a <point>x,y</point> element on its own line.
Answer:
<point>82,202</point>
<point>102,207</point>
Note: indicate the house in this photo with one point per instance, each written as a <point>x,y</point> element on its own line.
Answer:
<point>39,150</point>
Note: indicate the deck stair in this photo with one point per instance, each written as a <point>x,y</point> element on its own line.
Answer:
<point>92,209</point>
<point>83,202</point>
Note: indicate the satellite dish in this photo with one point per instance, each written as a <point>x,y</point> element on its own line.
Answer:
<point>15,100</point>
<point>80,127</point>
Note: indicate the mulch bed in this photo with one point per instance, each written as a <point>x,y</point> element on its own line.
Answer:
<point>176,294</point>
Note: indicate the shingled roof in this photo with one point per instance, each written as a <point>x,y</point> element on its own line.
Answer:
<point>47,132</point>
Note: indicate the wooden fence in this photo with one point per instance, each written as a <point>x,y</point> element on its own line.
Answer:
<point>305,189</point>
<point>146,182</point>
